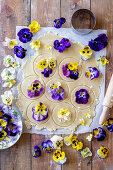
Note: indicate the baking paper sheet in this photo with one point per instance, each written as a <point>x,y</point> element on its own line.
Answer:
<point>68,33</point>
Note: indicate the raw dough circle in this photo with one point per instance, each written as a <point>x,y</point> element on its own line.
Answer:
<point>64,105</point>
<point>27,82</point>
<point>38,59</point>
<point>90,100</point>
<point>70,60</point>
<point>29,112</point>
<point>64,86</point>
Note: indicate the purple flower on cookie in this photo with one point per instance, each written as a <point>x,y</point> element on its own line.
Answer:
<point>61,45</point>
<point>82,96</point>
<point>47,71</point>
<point>92,73</point>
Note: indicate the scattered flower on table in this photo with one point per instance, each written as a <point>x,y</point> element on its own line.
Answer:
<point>40,112</point>
<point>64,115</point>
<point>99,134</point>
<point>56,90</point>
<point>8,74</point>
<point>89,137</point>
<point>10,43</point>
<point>103,60</point>
<point>86,152</point>
<point>109,124</point>
<point>19,51</point>
<point>34,27</point>
<point>47,146</point>
<point>49,47</point>
<point>87,115</point>
<point>7,98</point>
<point>98,43</point>
<point>82,121</point>
<point>59,157</point>
<point>16,65</point>
<point>92,72</point>
<point>36,152</point>
<point>10,61</point>
<point>35,89</point>
<point>82,96</point>
<point>9,83</point>
<point>85,53</point>
<point>57,141</point>
<point>102,152</point>
<point>25,35</point>
<point>47,65</point>
<point>58,22</point>
<point>35,45</point>
<point>61,45</point>
<point>68,139</point>
<point>70,70</point>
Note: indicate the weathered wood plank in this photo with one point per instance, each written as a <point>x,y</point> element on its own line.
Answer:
<point>16,12</point>
<point>104,17</point>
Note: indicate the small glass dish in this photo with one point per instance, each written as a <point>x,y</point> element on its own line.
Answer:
<point>83,21</point>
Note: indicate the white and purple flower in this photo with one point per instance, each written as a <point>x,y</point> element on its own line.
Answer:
<point>36,152</point>
<point>92,72</point>
<point>82,96</point>
<point>47,146</point>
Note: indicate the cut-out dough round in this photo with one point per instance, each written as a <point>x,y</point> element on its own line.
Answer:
<point>64,105</point>
<point>90,100</point>
<point>27,82</point>
<point>40,58</point>
<point>70,60</point>
<point>29,112</point>
<point>63,85</point>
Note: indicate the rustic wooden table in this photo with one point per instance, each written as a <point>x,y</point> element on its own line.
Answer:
<point>22,12</point>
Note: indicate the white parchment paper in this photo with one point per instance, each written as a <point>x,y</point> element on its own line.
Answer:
<point>68,33</point>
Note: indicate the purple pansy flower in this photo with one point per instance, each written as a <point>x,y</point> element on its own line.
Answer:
<point>19,51</point>
<point>65,70</point>
<point>92,73</point>
<point>109,124</point>
<point>40,112</point>
<point>35,89</point>
<point>36,152</point>
<point>99,134</point>
<point>47,71</point>
<point>11,129</point>
<point>58,22</point>
<point>82,96</point>
<point>62,45</point>
<point>98,43</point>
<point>25,35</point>
<point>47,146</point>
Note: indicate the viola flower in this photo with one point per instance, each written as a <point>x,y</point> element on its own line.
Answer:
<point>99,134</point>
<point>82,96</point>
<point>56,91</point>
<point>7,97</point>
<point>65,70</point>
<point>42,64</point>
<point>68,139</point>
<point>59,157</point>
<point>76,144</point>
<point>8,74</point>
<point>49,47</point>
<point>58,22</point>
<point>25,35</point>
<point>35,89</point>
<point>36,152</point>
<point>51,62</point>
<point>109,124</point>
<point>34,27</point>
<point>19,51</point>
<point>47,71</point>
<point>35,45</point>
<point>10,43</point>
<point>3,123</point>
<point>85,53</point>
<point>47,146</point>
<point>86,152</point>
<point>11,129</point>
<point>98,43</point>
<point>92,72</point>
<point>64,115</point>
<point>103,60</point>
<point>82,121</point>
<point>61,45</point>
<point>57,141</point>
<point>89,137</point>
<point>40,112</point>
<point>16,65</point>
<point>8,61</point>
<point>102,152</point>
<point>3,134</point>
<point>9,83</point>
<point>87,115</point>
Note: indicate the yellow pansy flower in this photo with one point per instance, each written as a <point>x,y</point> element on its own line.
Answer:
<point>10,43</point>
<point>40,108</point>
<point>3,123</point>
<point>102,152</point>
<point>35,44</point>
<point>57,141</point>
<point>103,60</point>
<point>42,64</point>
<point>86,53</point>
<point>51,62</point>
<point>68,140</point>
<point>35,86</point>
<point>64,115</point>
<point>34,27</point>
<point>59,157</point>
<point>71,66</point>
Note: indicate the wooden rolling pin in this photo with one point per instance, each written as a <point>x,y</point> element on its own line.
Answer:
<point>107,103</point>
